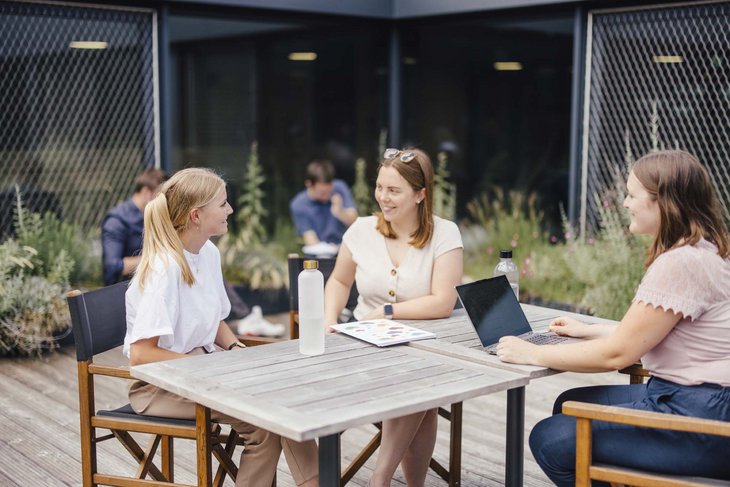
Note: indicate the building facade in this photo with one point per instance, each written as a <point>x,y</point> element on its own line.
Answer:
<point>95,91</point>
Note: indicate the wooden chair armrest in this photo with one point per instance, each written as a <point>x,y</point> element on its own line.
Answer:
<point>647,419</point>
<point>120,371</point>
<point>635,369</point>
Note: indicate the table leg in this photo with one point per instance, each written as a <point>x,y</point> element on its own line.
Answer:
<point>514,462</point>
<point>329,461</point>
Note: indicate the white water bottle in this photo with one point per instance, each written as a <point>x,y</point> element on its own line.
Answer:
<point>508,268</point>
<point>311,309</point>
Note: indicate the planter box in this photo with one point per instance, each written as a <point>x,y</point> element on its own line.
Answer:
<point>272,301</point>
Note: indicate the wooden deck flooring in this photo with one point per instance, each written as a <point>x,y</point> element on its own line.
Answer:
<point>39,437</point>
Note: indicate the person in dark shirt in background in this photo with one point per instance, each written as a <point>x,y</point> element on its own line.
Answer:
<point>121,230</point>
<point>323,211</point>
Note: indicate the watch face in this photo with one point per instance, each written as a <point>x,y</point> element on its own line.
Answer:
<point>388,309</point>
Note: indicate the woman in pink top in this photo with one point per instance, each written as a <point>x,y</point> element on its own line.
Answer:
<point>678,325</point>
<point>406,262</point>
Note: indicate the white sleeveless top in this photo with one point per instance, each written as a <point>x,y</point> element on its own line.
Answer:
<point>378,280</point>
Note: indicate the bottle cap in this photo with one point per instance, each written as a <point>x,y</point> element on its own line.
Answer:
<point>505,254</point>
<point>311,264</point>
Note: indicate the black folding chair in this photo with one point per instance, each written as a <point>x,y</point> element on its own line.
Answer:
<point>99,324</point>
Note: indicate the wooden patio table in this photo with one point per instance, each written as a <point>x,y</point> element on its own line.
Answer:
<point>301,398</point>
<point>456,338</point>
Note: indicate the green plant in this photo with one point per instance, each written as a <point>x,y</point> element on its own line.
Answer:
<point>51,237</point>
<point>251,212</point>
<point>382,142</point>
<point>360,190</point>
<point>32,306</point>
<point>444,192</point>
<point>261,266</point>
<point>507,221</point>
<point>36,268</point>
<point>599,273</point>
<point>247,256</point>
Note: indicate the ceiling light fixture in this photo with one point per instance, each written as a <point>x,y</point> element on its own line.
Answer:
<point>88,45</point>
<point>302,56</point>
<point>667,59</point>
<point>508,66</point>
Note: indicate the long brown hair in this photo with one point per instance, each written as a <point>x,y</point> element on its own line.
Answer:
<point>168,214</point>
<point>688,205</point>
<point>418,173</point>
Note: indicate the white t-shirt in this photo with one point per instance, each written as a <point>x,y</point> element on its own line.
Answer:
<point>378,280</point>
<point>184,317</point>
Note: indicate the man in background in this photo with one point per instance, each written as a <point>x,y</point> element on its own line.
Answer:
<point>121,229</point>
<point>121,241</point>
<point>325,208</point>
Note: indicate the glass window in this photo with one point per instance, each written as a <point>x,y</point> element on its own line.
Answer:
<point>495,95</point>
<point>302,88</point>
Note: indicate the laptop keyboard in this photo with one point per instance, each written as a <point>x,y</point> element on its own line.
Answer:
<point>536,338</point>
<point>545,339</point>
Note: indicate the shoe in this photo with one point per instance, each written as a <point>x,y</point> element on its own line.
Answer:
<point>345,316</point>
<point>255,324</point>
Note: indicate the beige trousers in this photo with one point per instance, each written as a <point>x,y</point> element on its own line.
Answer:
<point>262,449</point>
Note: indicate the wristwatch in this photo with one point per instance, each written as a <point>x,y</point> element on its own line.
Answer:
<point>388,311</point>
<point>236,344</point>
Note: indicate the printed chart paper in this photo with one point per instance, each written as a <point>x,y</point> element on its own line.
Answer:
<point>383,332</point>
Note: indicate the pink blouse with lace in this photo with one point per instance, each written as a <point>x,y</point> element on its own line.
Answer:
<point>694,281</point>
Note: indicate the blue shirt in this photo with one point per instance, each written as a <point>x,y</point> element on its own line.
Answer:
<point>121,236</point>
<point>309,214</point>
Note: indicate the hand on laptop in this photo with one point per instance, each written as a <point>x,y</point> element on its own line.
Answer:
<point>517,351</point>
<point>569,327</point>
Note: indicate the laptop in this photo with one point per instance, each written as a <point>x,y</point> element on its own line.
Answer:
<point>494,312</point>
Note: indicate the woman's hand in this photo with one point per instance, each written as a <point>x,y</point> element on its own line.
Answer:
<point>570,327</point>
<point>516,351</point>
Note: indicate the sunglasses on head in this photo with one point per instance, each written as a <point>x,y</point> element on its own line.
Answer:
<point>406,156</point>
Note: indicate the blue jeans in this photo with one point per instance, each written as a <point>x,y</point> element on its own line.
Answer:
<point>552,441</point>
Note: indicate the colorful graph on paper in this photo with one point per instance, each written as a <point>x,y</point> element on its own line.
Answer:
<point>383,332</point>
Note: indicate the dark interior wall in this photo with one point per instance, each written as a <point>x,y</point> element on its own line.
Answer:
<point>500,128</point>
<point>506,129</point>
<point>234,90</point>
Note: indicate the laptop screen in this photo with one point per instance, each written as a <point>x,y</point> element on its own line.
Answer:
<point>493,309</point>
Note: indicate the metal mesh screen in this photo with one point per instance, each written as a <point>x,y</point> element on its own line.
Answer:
<point>657,78</point>
<point>77,107</point>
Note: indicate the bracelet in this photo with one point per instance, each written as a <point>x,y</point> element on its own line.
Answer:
<point>236,344</point>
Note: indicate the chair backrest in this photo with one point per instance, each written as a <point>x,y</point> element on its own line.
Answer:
<point>326,266</point>
<point>98,319</point>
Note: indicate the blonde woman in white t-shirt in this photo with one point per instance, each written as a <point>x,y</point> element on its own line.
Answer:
<point>176,304</point>
<point>678,325</point>
<point>406,262</point>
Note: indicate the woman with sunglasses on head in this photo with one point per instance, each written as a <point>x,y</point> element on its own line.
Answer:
<point>406,262</point>
<point>678,325</point>
<point>176,303</point>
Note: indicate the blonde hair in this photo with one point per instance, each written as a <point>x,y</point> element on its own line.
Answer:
<point>168,215</point>
<point>418,173</point>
